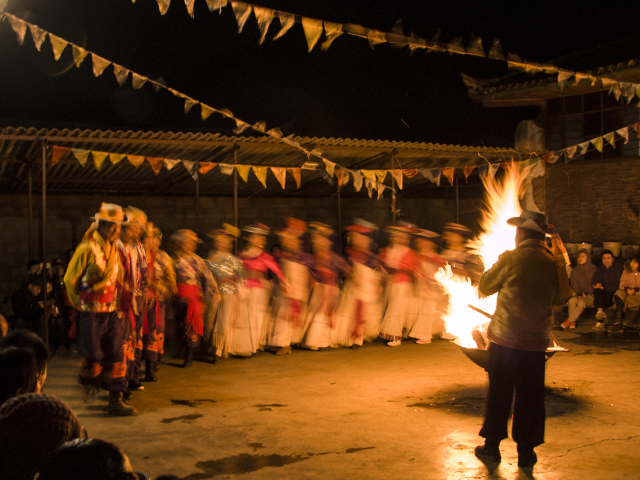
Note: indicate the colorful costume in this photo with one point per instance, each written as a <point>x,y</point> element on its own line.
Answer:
<point>428,296</point>
<point>161,288</point>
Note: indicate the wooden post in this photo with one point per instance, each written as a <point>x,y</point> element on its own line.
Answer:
<point>44,244</point>
<point>30,214</point>
<point>338,188</point>
<point>235,195</point>
<point>394,214</point>
<point>197,200</point>
<point>457,203</point>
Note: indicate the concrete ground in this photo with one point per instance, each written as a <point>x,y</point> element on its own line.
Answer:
<point>412,411</point>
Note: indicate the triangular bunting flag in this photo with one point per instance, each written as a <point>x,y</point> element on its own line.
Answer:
<point>188,104</point>
<point>261,173</point>
<point>448,172</point>
<point>163,6</point>
<point>243,171</point>
<point>79,55</point>
<point>571,151</point>
<point>99,64</point>
<point>121,73</point>
<point>435,175</point>
<point>216,5</point>
<point>475,47</point>
<point>331,32</point>
<point>397,176</point>
<point>493,168</point>
<point>226,169</point>
<point>192,168</point>
<point>496,52</point>
<point>609,138</point>
<point>138,80</point>
<point>467,171</point>
<point>584,146</point>
<point>327,177</point>
<point>226,112</point>
<point>58,45</point>
<point>296,174</point>
<point>19,26</point>
<point>482,169</point>
<point>369,174</point>
<point>264,16</point>
<point>261,126</point>
<point>548,157</point>
<point>158,84</point>
<point>312,31</point>
<point>99,158</point>
<point>330,166</point>
<point>240,127</point>
<point>376,38</point>
<point>156,164</point>
<point>189,4</point>
<point>357,180</point>
<point>410,173</point>
<point>380,190</point>
<point>135,160</point>
<point>286,22</point>
<point>275,132</point>
<point>57,153</point>
<point>205,111</point>
<point>242,11</point>
<point>38,35</point>
<point>116,157</point>
<point>624,133</point>
<point>81,155</point>
<point>563,78</point>
<point>281,175</point>
<point>170,163</point>
<point>343,176</point>
<point>597,142</point>
<point>381,175</point>
<point>206,167</point>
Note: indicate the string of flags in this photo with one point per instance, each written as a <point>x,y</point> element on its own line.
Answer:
<point>314,28</point>
<point>360,178</point>
<point>122,74</point>
<point>573,152</point>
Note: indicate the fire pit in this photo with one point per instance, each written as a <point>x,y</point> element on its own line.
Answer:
<point>481,357</point>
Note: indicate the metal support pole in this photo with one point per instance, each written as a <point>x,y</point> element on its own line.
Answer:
<point>394,213</point>
<point>44,243</point>
<point>30,214</point>
<point>457,203</point>
<point>197,201</point>
<point>235,195</point>
<point>338,188</point>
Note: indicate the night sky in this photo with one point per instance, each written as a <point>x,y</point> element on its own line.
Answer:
<point>349,91</point>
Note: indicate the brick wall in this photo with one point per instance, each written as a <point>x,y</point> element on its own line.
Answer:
<point>68,219</point>
<point>592,201</point>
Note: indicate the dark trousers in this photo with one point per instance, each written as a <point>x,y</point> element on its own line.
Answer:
<point>100,339</point>
<point>523,371</point>
<point>602,299</point>
<point>153,339</point>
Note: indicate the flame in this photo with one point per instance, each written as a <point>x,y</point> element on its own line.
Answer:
<point>501,203</point>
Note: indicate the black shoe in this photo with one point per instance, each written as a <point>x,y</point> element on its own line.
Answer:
<point>527,459</point>
<point>615,328</point>
<point>126,395</point>
<point>150,375</point>
<point>117,407</point>
<point>188,361</point>
<point>488,454</point>
<point>135,387</point>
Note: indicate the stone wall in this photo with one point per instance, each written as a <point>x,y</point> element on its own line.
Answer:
<point>68,219</point>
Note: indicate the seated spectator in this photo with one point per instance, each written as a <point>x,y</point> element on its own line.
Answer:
<point>628,296</point>
<point>606,282</point>
<point>32,427</point>
<point>27,339</point>
<point>28,306</point>
<point>18,373</point>
<point>93,459</point>
<point>580,281</point>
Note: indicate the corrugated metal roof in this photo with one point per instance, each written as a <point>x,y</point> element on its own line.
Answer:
<point>20,147</point>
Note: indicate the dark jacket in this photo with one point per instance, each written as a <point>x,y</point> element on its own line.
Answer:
<point>581,276</point>
<point>526,281</point>
<point>608,277</point>
<point>26,306</point>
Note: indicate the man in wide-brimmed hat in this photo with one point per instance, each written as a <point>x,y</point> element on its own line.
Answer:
<point>132,303</point>
<point>92,286</point>
<point>195,285</point>
<point>526,280</point>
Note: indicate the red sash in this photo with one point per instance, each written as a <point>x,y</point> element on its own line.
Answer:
<point>195,307</point>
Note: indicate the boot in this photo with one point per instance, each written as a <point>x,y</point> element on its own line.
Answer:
<point>633,322</point>
<point>489,452</point>
<point>118,407</point>
<point>151,369</point>
<point>284,351</point>
<point>527,458</point>
<point>188,361</point>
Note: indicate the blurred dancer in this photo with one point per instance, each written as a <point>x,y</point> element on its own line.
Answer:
<point>134,284</point>
<point>359,310</point>
<point>161,288</point>
<point>195,283</point>
<point>231,333</point>
<point>296,265</point>
<point>429,292</point>
<point>257,262</point>
<point>402,264</point>
<point>456,253</point>
<point>328,267</point>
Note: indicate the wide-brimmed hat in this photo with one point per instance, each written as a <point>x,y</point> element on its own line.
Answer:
<point>401,227</point>
<point>226,230</point>
<point>180,235</point>
<point>457,228</point>
<point>258,229</point>
<point>428,235</point>
<point>321,229</point>
<point>530,220</point>
<point>363,227</point>
<point>110,212</point>
<point>296,224</point>
<point>135,215</point>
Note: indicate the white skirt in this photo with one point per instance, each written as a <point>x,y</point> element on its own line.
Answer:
<point>400,314</point>
<point>426,313</point>
<point>288,325</point>
<point>232,333</point>
<point>320,317</point>
<point>256,309</point>
<point>348,330</point>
